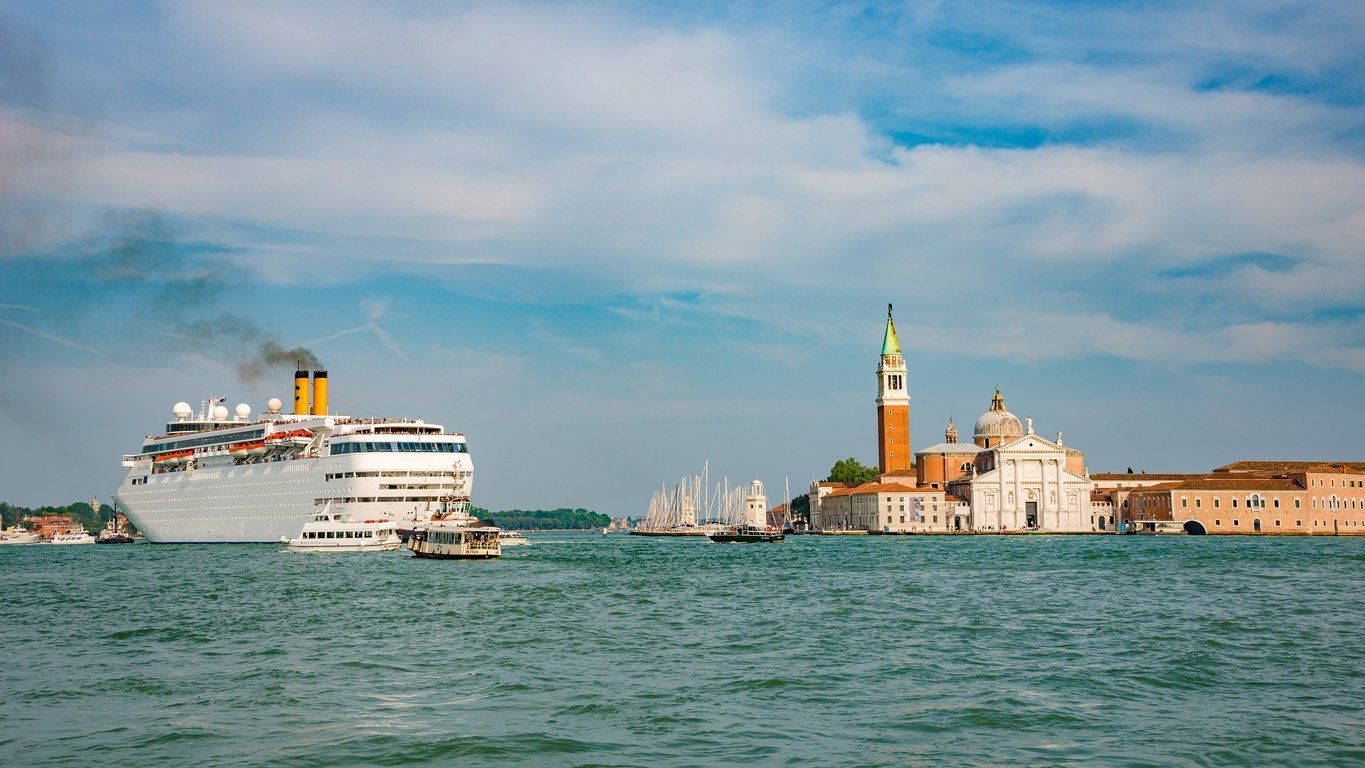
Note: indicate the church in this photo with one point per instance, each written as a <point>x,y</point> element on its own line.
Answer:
<point>1008,478</point>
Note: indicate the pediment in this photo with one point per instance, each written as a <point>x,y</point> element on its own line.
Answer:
<point>1029,443</point>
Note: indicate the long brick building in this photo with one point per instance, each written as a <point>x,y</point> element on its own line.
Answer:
<point>1300,497</point>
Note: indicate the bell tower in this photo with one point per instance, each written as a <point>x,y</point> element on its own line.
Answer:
<point>893,405</point>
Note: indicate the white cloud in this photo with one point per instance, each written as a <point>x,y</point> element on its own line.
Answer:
<point>649,160</point>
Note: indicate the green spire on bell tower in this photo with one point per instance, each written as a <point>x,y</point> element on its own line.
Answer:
<point>890,344</point>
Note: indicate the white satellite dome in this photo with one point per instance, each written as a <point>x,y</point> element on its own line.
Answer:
<point>243,411</point>
<point>274,405</point>
<point>220,413</point>
<point>182,410</point>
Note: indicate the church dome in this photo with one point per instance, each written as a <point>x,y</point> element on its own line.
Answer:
<point>997,422</point>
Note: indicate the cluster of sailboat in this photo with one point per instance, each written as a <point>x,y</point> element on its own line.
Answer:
<point>695,507</point>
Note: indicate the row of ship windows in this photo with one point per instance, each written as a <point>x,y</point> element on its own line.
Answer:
<point>254,434</point>
<point>154,514</point>
<point>245,482</point>
<point>378,447</point>
<point>346,534</point>
<point>399,473</point>
<point>369,499</point>
<point>415,486</point>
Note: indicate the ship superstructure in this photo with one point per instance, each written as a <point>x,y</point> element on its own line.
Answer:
<point>215,476</point>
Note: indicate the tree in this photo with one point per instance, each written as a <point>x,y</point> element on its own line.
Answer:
<point>800,508</point>
<point>850,470</point>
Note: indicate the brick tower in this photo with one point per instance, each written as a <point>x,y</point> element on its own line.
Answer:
<point>893,405</point>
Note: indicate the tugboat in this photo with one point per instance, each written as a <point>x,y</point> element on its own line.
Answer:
<point>755,527</point>
<point>115,531</point>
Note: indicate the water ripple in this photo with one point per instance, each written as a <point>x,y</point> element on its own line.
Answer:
<point>975,651</point>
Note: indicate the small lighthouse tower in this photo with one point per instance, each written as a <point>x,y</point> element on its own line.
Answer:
<point>893,404</point>
<point>756,506</point>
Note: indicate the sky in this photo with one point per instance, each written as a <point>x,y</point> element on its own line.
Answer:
<point>610,241</point>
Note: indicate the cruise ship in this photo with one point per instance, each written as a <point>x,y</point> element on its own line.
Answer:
<point>215,476</point>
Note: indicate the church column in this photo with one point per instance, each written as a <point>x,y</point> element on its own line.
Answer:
<point>1018,493</point>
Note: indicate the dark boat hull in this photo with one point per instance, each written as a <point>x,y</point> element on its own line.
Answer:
<point>746,538</point>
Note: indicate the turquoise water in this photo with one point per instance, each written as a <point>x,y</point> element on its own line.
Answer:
<point>580,650</point>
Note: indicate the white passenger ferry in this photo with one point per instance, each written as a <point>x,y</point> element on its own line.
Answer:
<point>220,477</point>
<point>333,532</point>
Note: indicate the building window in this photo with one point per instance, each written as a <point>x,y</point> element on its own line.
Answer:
<point>1234,502</point>
<point>1217,522</point>
<point>1215,502</point>
<point>1234,522</point>
<point>1197,503</point>
<point>1184,502</point>
<point>1296,503</point>
<point>1277,502</point>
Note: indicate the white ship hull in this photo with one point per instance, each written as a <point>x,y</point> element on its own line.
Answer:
<point>267,501</point>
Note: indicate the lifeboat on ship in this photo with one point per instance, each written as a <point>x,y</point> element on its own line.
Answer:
<point>293,435</point>
<point>174,457</point>
<point>240,450</point>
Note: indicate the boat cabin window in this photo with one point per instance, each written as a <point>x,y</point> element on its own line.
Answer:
<point>371,446</point>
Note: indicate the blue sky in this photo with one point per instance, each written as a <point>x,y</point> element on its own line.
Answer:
<point>610,240</point>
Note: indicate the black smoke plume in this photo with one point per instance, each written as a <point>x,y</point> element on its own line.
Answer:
<point>180,285</point>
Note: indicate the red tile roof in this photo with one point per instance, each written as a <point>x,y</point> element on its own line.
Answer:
<point>1344,467</point>
<point>882,488</point>
<point>1147,476</point>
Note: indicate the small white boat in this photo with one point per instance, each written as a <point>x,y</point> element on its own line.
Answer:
<point>73,538</point>
<point>19,535</point>
<point>514,539</point>
<point>335,532</point>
